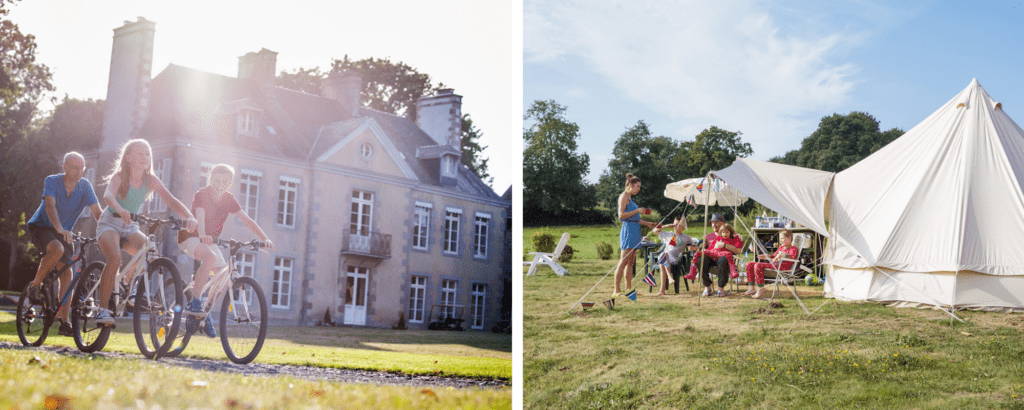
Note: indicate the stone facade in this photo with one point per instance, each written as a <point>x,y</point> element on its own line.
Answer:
<point>365,230</point>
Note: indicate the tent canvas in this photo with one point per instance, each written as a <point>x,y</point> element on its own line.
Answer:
<point>932,218</point>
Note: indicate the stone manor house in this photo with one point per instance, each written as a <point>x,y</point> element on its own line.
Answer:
<point>372,214</point>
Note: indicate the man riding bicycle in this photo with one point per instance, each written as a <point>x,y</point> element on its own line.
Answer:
<point>65,195</point>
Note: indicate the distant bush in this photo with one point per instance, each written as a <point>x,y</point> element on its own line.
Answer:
<point>566,255</point>
<point>604,250</point>
<point>543,241</point>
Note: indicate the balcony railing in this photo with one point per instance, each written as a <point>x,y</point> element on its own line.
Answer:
<point>362,242</point>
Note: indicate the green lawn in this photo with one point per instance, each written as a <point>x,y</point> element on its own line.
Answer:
<point>38,379</point>
<point>735,352</point>
<point>469,354</point>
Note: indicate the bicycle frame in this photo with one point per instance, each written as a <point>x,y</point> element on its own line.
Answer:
<point>221,282</point>
<point>134,268</point>
<point>55,273</point>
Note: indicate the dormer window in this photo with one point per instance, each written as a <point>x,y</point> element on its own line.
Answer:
<point>448,166</point>
<point>247,123</point>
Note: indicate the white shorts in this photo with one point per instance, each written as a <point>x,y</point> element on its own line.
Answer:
<point>108,222</point>
<point>191,245</point>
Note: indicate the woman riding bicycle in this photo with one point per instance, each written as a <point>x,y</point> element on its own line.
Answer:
<point>129,186</point>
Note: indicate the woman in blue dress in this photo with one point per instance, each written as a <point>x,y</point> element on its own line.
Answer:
<point>629,236</point>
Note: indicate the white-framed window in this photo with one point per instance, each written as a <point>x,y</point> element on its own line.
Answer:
<point>247,122</point>
<point>480,229</point>
<point>90,175</point>
<point>449,294</point>
<point>287,192</point>
<point>249,188</point>
<point>366,151</point>
<point>280,293</point>
<point>478,296</point>
<point>448,166</point>
<point>421,228</point>
<point>451,230</point>
<point>362,212</point>
<point>417,298</point>
<point>162,170</point>
<point>245,265</point>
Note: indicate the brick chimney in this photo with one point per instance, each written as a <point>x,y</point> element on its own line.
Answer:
<point>440,116</point>
<point>131,63</point>
<point>259,67</point>
<point>345,88</point>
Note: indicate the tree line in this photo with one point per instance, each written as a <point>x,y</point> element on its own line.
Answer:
<point>555,189</point>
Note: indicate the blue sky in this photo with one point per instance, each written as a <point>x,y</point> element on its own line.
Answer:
<point>771,70</point>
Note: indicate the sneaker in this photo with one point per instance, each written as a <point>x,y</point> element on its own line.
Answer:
<point>143,302</point>
<point>191,320</point>
<point>105,317</point>
<point>208,328</point>
<point>33,295</point>
<point>65,328</point>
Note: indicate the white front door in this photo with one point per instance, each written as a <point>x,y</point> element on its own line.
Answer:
<point>356,285</point>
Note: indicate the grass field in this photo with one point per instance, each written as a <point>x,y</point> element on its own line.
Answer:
<point>457,354</point>
<point>735,352</point>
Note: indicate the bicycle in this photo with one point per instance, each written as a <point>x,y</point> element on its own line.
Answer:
<point>34,319</point>
<point>155,303</point>
<point>243,312</point>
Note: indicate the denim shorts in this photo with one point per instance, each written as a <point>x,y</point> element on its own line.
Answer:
<point>108,222</point>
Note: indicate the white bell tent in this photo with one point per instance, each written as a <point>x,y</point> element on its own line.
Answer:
<point>936,217</point>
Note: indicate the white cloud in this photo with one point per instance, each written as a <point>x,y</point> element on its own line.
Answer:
<point>701,63</point>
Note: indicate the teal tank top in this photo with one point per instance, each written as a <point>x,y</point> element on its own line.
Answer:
<point>133,201</point>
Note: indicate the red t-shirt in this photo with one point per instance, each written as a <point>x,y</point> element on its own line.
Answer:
<point>216,211</point>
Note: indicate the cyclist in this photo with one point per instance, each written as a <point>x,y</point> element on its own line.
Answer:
<point>212,205</point>
<point>65,195</point>
<point>129,185</point>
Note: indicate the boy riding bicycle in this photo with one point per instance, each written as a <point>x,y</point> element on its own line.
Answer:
<point>64,197</point>
<point>211,206</point>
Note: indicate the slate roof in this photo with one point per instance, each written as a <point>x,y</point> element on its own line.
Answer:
<point>190,104</point>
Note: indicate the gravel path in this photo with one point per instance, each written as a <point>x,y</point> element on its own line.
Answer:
<point>302,372</point>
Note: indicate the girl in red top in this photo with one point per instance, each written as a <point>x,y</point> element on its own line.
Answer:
<point>755,270</point>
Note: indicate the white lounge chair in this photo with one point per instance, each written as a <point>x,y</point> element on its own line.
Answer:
<point>550,259</point>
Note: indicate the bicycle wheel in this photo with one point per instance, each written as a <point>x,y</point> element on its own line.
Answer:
<point>158,308</point>
<point>183,337</point>
<point>89,336</point>
<point>33,322</point>
<point>243,320</point>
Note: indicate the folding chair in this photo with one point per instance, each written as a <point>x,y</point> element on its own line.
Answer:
<point>550,259</point>
<point>787,276</point>
<point>677,271</point>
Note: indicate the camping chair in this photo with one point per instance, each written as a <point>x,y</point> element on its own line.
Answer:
<point>741,263</point>
<point>550,259</point>
<point>787,276</point>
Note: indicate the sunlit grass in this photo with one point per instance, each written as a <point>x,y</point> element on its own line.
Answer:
<point>33,379</point>
<point>465,354</point>
<point>735,352</point>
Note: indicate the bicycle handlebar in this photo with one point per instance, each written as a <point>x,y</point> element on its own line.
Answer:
<point>234,244</point>
<point>174,223</point>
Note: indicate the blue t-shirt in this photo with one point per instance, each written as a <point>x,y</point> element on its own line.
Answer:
<point>68,207</point>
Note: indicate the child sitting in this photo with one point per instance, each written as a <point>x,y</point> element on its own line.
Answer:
<point>676,242</point>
